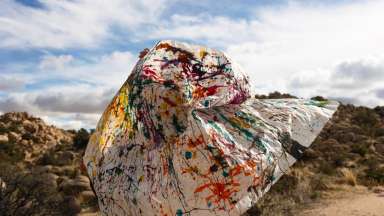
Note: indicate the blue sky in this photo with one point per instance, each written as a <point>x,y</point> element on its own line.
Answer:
<point>64,60</point>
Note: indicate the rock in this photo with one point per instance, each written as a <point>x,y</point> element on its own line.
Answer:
<point>378,189</point>
<point>13,137</point>
<point>87,197</point>
<point>3,185</point>
<point>60,158</point>
<point>72,187</point>
<point>57,170</point>
<point>62,179</point>
<point>350,164</point>
<point>49,179</point>
<point>65,158</point>
<point>82,178</point>
<point>344,137</point>
<point>380,139</point>
<point>379,147</point>
<point>3,127</point>
<point>379,131</point>
<point>42,169</point>
<point>29,126</point>
<point>380,111</point>
<point>71,205</point>
<point>3,139</point>
<point>310,154</point>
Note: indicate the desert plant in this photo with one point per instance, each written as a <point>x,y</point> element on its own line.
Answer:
<point>366,119</point>
<point>375,174</point>
<point>319,98</point>
<point>81,138</point>
<point>380,111</point>
<point>348,177</point>
<point>360,149</point>
<point>23,193</point>
<point>274,95</point>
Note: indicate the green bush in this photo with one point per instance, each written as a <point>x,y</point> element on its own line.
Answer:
<point>360,149</point>
<point>81,138</point>
<point>274,95</point>
<point>376,174</point>
<point>11,153</point>
<point>366,118</point>
<point>319,98</point>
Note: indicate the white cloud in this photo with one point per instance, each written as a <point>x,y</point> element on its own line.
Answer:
<point>71,24</point>
<point>55,62</point>
<point>351,81</point>
<point>212,30</point>
<point>10,83</point>
<point>72,121</point>
<point>109,70</point>
<point>67,106</point>
<point>362,72</point>
<point>74,100</point>
<point>320,49</point>
<point>78,103</point>
<point>331,50</point>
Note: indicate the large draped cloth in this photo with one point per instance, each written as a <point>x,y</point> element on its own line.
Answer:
<point>183,136</point>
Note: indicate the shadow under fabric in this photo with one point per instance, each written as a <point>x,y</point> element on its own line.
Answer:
<point>184,137</point>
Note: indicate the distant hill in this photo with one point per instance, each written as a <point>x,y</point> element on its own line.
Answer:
<point>41,171</point>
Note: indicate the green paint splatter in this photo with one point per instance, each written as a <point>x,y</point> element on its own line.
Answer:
<point>188,154</point>
<point>225,173</point>
<point>179,128</point>
<point>179,212</point>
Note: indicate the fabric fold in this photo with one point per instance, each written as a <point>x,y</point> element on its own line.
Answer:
<point>184,137</point>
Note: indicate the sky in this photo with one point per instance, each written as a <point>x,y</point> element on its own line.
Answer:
<point>64,60</point>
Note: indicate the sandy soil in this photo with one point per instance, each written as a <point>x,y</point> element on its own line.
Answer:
<point>361,202</point>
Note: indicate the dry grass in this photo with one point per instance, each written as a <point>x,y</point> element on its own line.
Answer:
<point>348,177</point>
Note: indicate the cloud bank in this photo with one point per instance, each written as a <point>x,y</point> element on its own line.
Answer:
<point>82,51</point>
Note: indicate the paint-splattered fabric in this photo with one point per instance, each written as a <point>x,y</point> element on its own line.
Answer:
<point>184,137</point>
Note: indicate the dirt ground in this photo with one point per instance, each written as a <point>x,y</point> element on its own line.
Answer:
<point>358,202</point>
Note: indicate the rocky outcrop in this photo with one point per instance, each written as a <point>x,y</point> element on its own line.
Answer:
<point>41,167</point>
<point>30,135</point>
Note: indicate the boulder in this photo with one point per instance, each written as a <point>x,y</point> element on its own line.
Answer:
<point>82,178</point>
<point>29,126</point>
<point>49,179</point>
<point>42,169</point>
<point>87,197</point>
<point>378,189</point>
<point>379,147</point>
<point>71,205</point>
<point>13,137</point>
<point>65,158</point>
<point>3,127</point>
<point>3,139</point>
<point>3,185</point>
<point>73,187</point>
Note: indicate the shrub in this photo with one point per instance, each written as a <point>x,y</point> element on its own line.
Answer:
<point>26,194</point>
<point>360,149</point>
<point>376,174</point>
<point>326,168</point>
<point>366,118</point>
<point>319,98</point>
<point>274,95</point>
<point>81,138</point>
<point>348,177</point>
<point>380,111</point>
<point>379,132</point>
